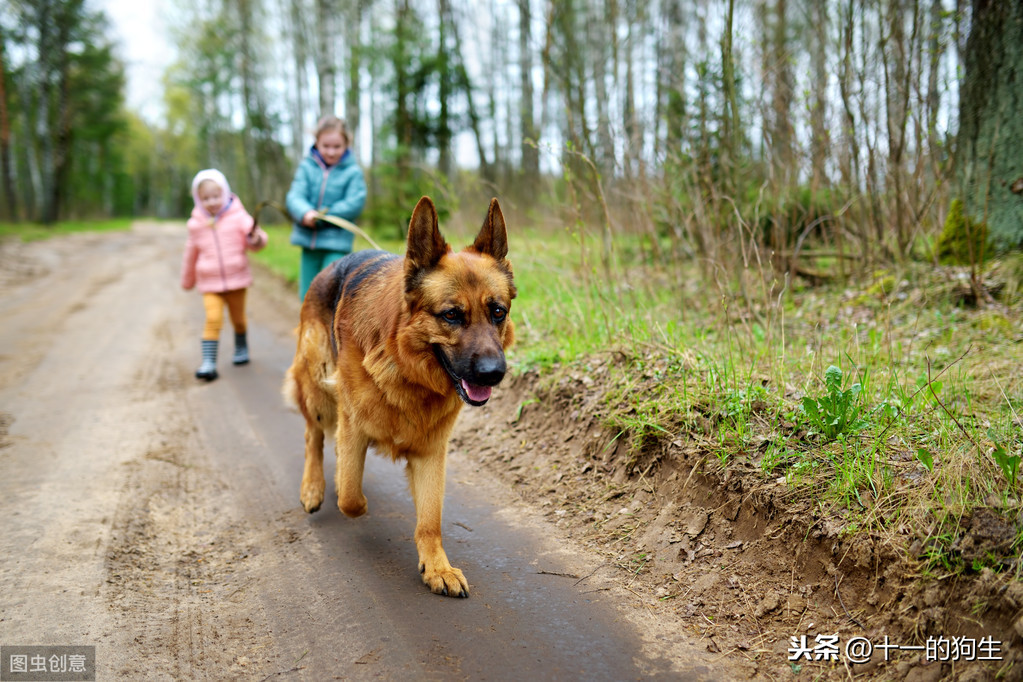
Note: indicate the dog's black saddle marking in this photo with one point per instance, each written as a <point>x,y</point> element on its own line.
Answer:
<point>361,267</point>
<point>347,276</point>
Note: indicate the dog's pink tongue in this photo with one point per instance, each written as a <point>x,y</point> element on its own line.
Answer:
<point>476,393</point>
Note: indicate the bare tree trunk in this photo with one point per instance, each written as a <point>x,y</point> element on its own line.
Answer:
<point>935,50</point>
<point>960,35</point>
<point>326,68</point>
<point>703,110</point>
<point>62,150</point>
<point>5,143</point>
<point>444,165</point>
<point>730,117</point>
<point>33,190</point>
<point>527,122</point>
<point>599,34</point>
<point>61,131</point>
<point>573,73</point>
<point>870,122</point>
<point>850,165</point>
<point>492,99</point>
<point>545,59</point>
<point>632,158</point>
<point>633,140</point>
<point>353,91</point>
<point>512,126</point>
<point>671,81</point>
<point>374,117</point>
<point>782,132</point>
<point>642,202</point>
<point>820,138</point>
<point>47,51</point>
<point>253,111</point>
<point>908,185</point>
<point>298,48</point>
<point>897,89</point>
<point>403,118</point>
<point>462,76</point>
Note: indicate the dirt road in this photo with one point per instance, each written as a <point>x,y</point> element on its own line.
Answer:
<point>157,517</point>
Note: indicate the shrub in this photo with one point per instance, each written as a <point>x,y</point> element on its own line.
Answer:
<point>962,241</point>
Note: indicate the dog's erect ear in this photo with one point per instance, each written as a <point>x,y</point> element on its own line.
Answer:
<point>493,237</point>
<point>426,246</point>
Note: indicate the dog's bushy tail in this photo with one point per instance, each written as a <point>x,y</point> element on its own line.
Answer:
<point>290,389</point>
<point>315,365</point>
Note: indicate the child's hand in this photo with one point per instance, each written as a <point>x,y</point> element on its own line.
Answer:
<point>309,219</point>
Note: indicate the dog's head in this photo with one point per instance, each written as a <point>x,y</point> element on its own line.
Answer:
<point>459,303</point>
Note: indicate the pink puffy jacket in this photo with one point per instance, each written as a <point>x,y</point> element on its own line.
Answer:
<point>215,260</point>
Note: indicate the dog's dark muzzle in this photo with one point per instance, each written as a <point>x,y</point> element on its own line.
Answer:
<point>474,379</point>
<point>487,371</point>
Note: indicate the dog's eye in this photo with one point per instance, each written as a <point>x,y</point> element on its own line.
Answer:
<point>452,315</point>
<point>498,313</point>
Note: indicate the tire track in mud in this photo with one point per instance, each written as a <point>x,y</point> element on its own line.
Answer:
<point>114,536</point>
<point>178,565</point>
<point>75,321</point>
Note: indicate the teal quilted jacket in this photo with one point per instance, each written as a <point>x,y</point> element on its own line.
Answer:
<point>338,190</point>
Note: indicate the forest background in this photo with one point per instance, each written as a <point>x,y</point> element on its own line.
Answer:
<point>687,121</point>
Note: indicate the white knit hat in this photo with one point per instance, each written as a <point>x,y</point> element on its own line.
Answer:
<point>214,175</point>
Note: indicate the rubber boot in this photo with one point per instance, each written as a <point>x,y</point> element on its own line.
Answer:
<point>241,349</point>
<point>208,369</point>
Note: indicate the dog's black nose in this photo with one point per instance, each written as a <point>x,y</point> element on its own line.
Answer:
<point>488,370</point>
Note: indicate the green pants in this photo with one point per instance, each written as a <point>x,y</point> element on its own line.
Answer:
<point>313,260</point>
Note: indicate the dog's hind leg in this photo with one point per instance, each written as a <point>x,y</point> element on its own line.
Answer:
<point>426,479</point>
<point>313,484</point>
<point>351,447</point>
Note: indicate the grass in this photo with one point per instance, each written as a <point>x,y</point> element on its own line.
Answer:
<point>29,232</point>
<point>278,254</point>
<point>282,257</point>
<point>884,400</point>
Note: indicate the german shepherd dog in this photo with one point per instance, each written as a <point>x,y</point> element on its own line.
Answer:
<point>388,350</point>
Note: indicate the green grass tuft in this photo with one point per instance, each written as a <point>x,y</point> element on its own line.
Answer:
<point>29,232</point>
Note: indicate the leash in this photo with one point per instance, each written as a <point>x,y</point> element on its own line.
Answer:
<point>333,220</point>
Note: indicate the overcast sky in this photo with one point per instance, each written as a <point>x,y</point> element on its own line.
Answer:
<point>140,28</point>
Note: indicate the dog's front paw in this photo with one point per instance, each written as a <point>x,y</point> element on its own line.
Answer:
<point>353,506</point>
<point>446,580</point>
<point>312,497</point>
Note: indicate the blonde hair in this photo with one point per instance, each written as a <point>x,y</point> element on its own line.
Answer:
<point>331,123</point>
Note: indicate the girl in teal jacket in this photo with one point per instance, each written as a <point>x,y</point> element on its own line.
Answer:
<point>328,181</point>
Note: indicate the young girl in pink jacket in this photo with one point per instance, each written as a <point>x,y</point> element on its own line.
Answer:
<point>220,231</point>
